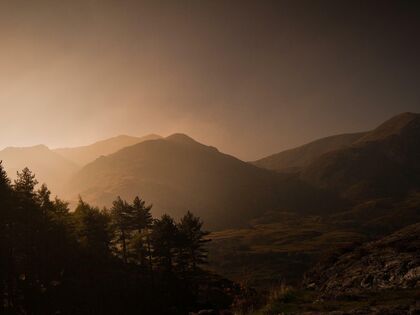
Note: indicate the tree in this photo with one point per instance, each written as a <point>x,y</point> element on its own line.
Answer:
<point>25,183</point>
<point>141,215</point>
<point>142,221</point>
<point>191,242</point>
<point>6,206</point>
<point>44,201</point>
<point>92,228</point>
<point>122,222</point>
<point>164,242</point>
<point>48,253</point>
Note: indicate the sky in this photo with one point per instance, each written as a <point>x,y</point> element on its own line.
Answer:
<point>249,77</point>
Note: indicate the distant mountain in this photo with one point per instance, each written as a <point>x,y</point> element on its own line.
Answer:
<point>86,154</point>
<point>294,160</point>
<point>48,166</point>
<point>177,174</point>
<point>382,163</point>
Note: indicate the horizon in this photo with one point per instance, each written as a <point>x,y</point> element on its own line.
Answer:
<point>52,148</point>
<point>227,73</point>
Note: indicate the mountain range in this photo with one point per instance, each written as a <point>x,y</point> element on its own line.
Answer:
<point>86,154</point>
<point>48,166</point>
<point>329,176</point>
<point>178,174</point>
<point>56,166</point>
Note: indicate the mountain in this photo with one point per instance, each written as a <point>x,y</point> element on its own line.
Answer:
<point>177,174</point>
<point>294,160</point>
<point>48,166</point>
<point>384,162</point>
<point>86,154</point>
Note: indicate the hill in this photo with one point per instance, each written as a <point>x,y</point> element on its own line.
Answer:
<point>379,176</point>
<point>48,166</point>
<point>391,262</point>
<point>375,277</point>
<point>383,163</point>
<point>178,174</point>
<point>86,154</point>
<point>294,160</point>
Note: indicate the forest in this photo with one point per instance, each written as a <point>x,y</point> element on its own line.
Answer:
<point>99,261</point>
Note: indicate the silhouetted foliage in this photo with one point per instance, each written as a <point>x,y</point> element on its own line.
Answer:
<point>96,261</point>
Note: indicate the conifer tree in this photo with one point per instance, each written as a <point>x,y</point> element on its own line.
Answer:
<point>164,238</point>
<point>122,222</point>
<point>192,239</point>
<point>92,226</point>
<point>142,223</point>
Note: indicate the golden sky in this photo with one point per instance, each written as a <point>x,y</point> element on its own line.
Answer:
<point>250,77</point>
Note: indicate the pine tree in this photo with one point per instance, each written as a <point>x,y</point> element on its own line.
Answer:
<point>5,234</point>
<point>142,221</point>
<point>141,215</point>
<point>44,201</point>
<point>192,239</point>
<point>122,222</point>
<point>25,183</point>
<point>164,242</point>
<point>92,226</point>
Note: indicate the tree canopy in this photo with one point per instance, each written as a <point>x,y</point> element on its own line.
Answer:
<point>94,261</point>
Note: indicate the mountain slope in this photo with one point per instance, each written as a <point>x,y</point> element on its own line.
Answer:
<point>48,166</point>
<point>295,159</point>
<point>177,174</point>
<point>393,262</point>
<point>86,154</point>
<point>383,163</point>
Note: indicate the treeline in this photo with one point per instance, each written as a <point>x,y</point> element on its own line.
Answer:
<point>98,261</point>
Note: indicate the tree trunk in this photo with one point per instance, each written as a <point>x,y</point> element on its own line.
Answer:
<point>124,245</point>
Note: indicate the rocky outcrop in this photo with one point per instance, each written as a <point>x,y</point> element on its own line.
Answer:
<point>392,262</point>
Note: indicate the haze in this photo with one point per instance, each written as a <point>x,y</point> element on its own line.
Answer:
<point>249,77</point>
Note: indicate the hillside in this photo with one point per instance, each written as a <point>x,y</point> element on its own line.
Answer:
<point>294,160</point>
<point>383,163</point>
<point>375,277</point>
<point>263,252</point>
<point>178,174</point>
<point>392,262</point>
<point>86,154</point>
<point>378,174</point>
<point>48,166</point>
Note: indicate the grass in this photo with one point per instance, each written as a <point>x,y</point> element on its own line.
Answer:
<point>264,254</point>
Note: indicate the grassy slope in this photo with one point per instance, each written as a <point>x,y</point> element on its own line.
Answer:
<point>266,253</point>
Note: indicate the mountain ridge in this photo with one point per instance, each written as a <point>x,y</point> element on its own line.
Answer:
<point>293,160</point>
<point>88,153</point>
<point>178,173</point>
<point>385,163</point>
<point>48,166</point>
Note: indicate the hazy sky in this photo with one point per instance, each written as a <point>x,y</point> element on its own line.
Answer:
<point>250,77</point>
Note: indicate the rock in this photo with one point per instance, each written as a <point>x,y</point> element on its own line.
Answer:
<point>392,262</point>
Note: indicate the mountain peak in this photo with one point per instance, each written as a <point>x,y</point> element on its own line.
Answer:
<point>394,126</point>
<point>180,138</point>
<point>183,139</point>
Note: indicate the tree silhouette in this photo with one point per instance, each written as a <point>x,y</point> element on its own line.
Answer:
<point>122,222</point>
<point>192,239</point>
<point>92,226</point>
<point>164,239</point>
<point>92,261</point>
